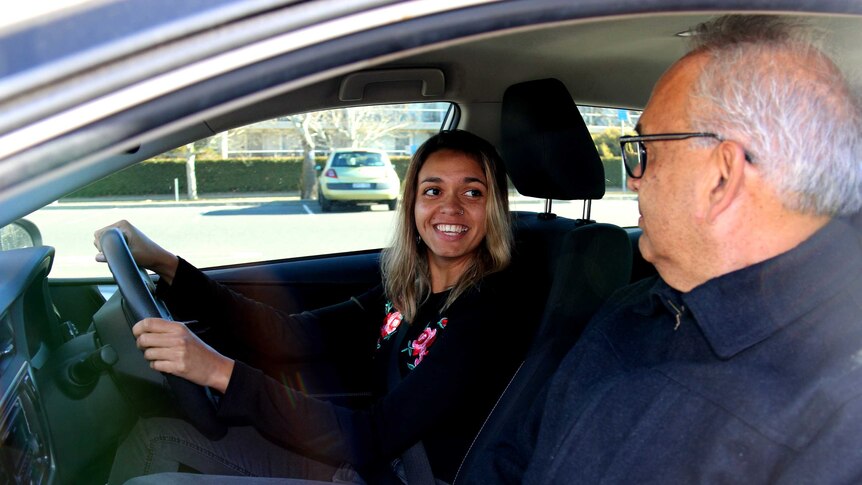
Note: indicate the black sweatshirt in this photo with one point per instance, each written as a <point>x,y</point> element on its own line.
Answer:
<point>447,389</point>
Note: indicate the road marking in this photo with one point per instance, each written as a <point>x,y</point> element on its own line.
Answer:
<point>307,209</point>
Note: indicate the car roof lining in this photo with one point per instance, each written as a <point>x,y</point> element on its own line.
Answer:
<point>576,52</point>
<point>643,47</point>
<point>586,75</point>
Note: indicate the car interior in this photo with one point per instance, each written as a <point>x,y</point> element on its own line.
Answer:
<point>73,382</point>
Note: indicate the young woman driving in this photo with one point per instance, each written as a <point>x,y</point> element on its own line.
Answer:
<point>439,322</point>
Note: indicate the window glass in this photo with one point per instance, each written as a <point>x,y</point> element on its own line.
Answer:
<point>251,193</point>
<point>242,196</point>
<point>619,205</point>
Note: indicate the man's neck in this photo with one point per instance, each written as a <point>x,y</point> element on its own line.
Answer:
<point>771,240</point>
<point>746,244</point>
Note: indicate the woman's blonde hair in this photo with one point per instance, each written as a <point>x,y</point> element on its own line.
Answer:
<point>406,276</point>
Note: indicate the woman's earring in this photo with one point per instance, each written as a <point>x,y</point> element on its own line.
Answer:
<point>418,240</point>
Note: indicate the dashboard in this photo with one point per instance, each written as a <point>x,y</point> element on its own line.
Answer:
<point>61,413</point>
<point>25,446</point>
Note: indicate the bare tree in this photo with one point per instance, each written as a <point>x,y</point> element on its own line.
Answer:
<point>346,127</point>
<point>191,177</point>
<point>362,127</point>
<point>206,148</point>
<point>309,127</point>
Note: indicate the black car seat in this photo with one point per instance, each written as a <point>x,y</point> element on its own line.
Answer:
<point>549,153</point>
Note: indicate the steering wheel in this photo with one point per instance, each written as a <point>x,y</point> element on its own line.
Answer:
<point>140,302</point>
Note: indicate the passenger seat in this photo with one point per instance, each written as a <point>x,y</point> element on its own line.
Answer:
<point>549,153</point>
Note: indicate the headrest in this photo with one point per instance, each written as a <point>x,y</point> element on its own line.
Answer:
<point>545,144</point>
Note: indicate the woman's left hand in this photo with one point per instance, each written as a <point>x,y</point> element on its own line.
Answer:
<point>171,347</point>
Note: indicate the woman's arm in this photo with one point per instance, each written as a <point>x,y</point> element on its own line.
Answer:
<point>269,332</point>
<point>191,295</point>
<point>467,367</point>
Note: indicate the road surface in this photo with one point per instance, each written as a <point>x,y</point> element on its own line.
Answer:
<point>212,233</point>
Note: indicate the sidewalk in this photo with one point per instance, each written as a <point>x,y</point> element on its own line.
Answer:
<point>234,199</point>
<point>169,200</point>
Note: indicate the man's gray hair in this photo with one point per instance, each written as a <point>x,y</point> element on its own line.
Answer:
<point>769,87</point>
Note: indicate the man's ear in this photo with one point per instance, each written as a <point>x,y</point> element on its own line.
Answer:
<point>729,165</point>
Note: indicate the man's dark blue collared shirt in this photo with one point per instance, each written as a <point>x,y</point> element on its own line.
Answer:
<point>752,377</point>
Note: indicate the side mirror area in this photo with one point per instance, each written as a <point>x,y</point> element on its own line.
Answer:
<point>20,234</point>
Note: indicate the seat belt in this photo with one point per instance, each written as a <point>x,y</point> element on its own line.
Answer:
<point>417,468</point>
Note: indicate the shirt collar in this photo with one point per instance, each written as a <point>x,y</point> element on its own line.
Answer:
<point>661,297</point>
<point>740,309</point>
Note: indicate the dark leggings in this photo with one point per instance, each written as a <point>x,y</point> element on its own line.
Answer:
<point>158,445</point>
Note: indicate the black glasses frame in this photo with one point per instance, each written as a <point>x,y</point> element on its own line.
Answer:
<point>641,149</point>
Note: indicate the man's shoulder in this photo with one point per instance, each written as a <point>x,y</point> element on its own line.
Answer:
<point>628,305</point>
<point>637,290</point>
<point>634,294</point>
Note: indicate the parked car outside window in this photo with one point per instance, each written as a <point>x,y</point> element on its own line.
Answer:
<point>358,176</point>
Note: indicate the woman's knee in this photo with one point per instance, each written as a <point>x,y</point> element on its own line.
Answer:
<point>143,451</point>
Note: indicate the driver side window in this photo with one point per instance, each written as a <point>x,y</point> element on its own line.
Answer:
<point>253,193</point>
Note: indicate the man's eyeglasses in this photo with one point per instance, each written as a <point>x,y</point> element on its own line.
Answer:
<point>634,152</point>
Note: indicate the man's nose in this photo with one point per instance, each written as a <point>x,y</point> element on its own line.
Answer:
<point>633,184</point>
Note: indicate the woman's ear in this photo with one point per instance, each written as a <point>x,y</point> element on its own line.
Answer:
<point>729,166</point>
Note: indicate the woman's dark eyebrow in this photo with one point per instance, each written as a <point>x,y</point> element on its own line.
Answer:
<point>437,180</point>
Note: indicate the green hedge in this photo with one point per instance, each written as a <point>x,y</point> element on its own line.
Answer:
<point>613,172</point>
<point>400,164</point>
<point>156,176</point>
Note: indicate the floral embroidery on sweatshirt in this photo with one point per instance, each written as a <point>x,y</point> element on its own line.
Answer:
<point>418,348</point>
<point>390,323</point>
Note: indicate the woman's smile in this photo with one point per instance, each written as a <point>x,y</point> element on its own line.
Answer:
<point>451,230</point>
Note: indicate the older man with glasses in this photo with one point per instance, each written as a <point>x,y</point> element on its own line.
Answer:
<point>741,362</point>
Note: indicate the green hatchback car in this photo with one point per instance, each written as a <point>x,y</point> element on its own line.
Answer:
<point>358,176</point>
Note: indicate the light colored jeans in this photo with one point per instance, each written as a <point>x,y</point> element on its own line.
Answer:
<point>159,445</point>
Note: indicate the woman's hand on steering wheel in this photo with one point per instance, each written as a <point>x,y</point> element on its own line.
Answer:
<point>174,349</point>
<point>146,253</point>
<point>140,303</point>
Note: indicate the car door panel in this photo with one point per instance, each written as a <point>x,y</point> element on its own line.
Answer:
<point>303,284</point>
<point>306,284</point>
